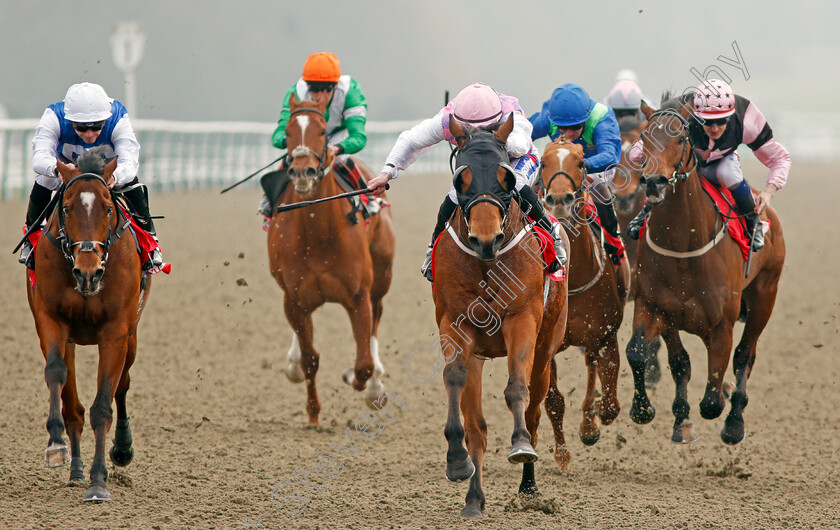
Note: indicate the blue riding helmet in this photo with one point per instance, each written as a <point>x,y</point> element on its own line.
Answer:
<point>570,105</point>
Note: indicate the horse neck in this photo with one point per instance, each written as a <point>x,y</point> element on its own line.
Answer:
<point>319,219</point>
<point>582,249</point>
<point>686,219</point>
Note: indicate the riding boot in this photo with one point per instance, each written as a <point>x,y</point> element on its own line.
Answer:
<point>447,208</point>
<point>537,213</point>
<point>609,222</point>
<point>274,184</point>
<point>139,203</point>
<point>634,227</point>
<point>745,203</point>
<point>39,198</point>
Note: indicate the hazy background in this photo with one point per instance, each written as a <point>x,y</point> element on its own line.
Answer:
<point>219,60</point>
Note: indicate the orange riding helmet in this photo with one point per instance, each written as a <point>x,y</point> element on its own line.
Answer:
<point>322,67</point>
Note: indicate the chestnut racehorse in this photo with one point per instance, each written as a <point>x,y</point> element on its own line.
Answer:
<point>492,299</point>
<point>691,279</point>
<point>597,294</point>
<point>629,198</point>
<point>78,300</point>
<point>317,255</point>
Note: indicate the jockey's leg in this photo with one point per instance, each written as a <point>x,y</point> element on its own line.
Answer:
<point>447,208</point>
<point>634,227</point>
<point>603,199</point>
<point>532,206</point>
<point>729,175</point>
<point>39,198</point>
<point>138,199</point>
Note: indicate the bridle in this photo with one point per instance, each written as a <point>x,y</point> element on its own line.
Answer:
<point>303,151</point>
<point>545,187</point>
<point>488,197</point>
<point>681,173</point>
<point>66,244</point>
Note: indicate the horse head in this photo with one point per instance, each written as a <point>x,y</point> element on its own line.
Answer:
<point>626,182</point>
<point>306,138</point>
<point>667,148</point>
<point>562,175</point>
<point>484,182</point>
<point>86,219</point>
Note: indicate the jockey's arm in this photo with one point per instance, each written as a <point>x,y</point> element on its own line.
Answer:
<point>607,139</point>
<point>410,144</point>
<point>356,136</point>
<point>278,139</point>
<point>127,149</point>
<point>45,144</point>
<point>759,137</point>
<point>539,122</point>
<point>519,141</point>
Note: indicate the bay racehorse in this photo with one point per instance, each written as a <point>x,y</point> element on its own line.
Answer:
<point>492,299</point>
<point>317,255</point>
<point>597,293</point>
<point>629,199</point>
<point>691,279</point>
<point>88,289</point>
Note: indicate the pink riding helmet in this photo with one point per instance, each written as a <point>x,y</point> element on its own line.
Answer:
<point>477,105</point>
<point>714,99</point>
<point>625,95</point>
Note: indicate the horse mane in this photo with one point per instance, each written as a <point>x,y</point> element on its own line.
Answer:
<point>92,160</point>
<point>668,102</point>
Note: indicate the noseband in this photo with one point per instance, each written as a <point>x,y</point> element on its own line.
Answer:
<point>66,244</point>
<point>303,151</point>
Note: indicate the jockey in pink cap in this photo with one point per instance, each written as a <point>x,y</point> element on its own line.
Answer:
<point>477,105</point>
<point>724,121</point>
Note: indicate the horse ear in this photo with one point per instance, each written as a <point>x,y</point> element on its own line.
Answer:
<point>504,131</point>
<point>458,132</point>
<point>646,110</point>
<point>63,171</point>
<point>109,169</point>
<point>293,101</point>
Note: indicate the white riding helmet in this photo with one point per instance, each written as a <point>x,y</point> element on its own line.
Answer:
<point>626,75</point>
<point>87,103</point>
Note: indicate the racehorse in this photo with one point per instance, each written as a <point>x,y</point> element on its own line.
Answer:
<point>78,300</point>
<point>629,198</point>
<point>692,280</point>
<point>492,299</point>
<point>597,294</point>
<point>318,255</point>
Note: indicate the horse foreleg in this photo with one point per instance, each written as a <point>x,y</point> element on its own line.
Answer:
<point>122,452</point>
<point>680,365</point>
<point>112,356</point>
<point>459,465</point>
<point>608,364</point>
<point>520,333</point>
<point>55,375</point>
<point>307,358</point>
<point>555,407</point>
<point>537,389</point>
<point>647,326</point>
<point>361,320</point>
<point>589,430</point>
<point>74,415</point>
<point>719,346</point>
<point>475,434</point>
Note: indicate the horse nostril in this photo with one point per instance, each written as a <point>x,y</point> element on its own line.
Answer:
<point>661,181</point>
<point>292,172</point>
<point>473,241</point>
<point>550,201</point>
<point>97,276</point>
<point>80,278</point>
<point>500,237</point>
<point>569,199</point>
<point>310,172</point>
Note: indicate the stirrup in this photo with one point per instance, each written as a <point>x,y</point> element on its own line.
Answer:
<point>25,251</point>
<point>426,268</point>
<point>559,244</point>
<point>758,237</point>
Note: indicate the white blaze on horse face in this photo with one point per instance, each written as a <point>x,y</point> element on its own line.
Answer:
<point>561,155</point>
<point>87,200</point>
<point>303,122</point>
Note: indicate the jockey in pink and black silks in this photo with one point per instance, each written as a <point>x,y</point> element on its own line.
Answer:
<point>85,119</point>
<point>477,105</point>
<point>724,121</point>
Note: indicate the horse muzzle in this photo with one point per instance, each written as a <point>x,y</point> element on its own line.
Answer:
<point>304,178</point>
<point>486,250</point>
<point>88,282</point>
<point>560,205</point>
<point>654,186</point>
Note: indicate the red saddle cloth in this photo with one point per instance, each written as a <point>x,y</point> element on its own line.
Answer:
<point>592,213</point>
<point>736,227</point>
<point>144,242</point>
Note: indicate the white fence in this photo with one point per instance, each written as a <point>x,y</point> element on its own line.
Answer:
<point>191,155</point>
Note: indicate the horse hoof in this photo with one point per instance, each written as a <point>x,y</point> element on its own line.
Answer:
<point>728,389</point>
<point>563,457</point>
<point>471,511</point>
<point>294,373</point>
<point>348,376</point>
<point>97,494</point>
<point>684,433</point>
<point>640,412</point>
<point>374,401</point>
<point>77,471</point>
<point>57,455</point>
<point>591,440</point>
<point>733,432</point>
<point>121,457</point>
<point>460,471</point>
<point>522,453</point>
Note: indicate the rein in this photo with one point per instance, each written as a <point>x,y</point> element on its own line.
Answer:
<point>304,151</point>
<point>66,244</point>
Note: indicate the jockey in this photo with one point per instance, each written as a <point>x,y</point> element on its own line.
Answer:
<point>625,98</point>
<point>85,119</point>
<point>724,121</point>
<point>480,106</point>
<point>345,115</point>
<point>582,120</point>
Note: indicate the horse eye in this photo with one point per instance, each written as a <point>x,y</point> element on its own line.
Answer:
<point>682,139</point>
<point>65,210</point>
